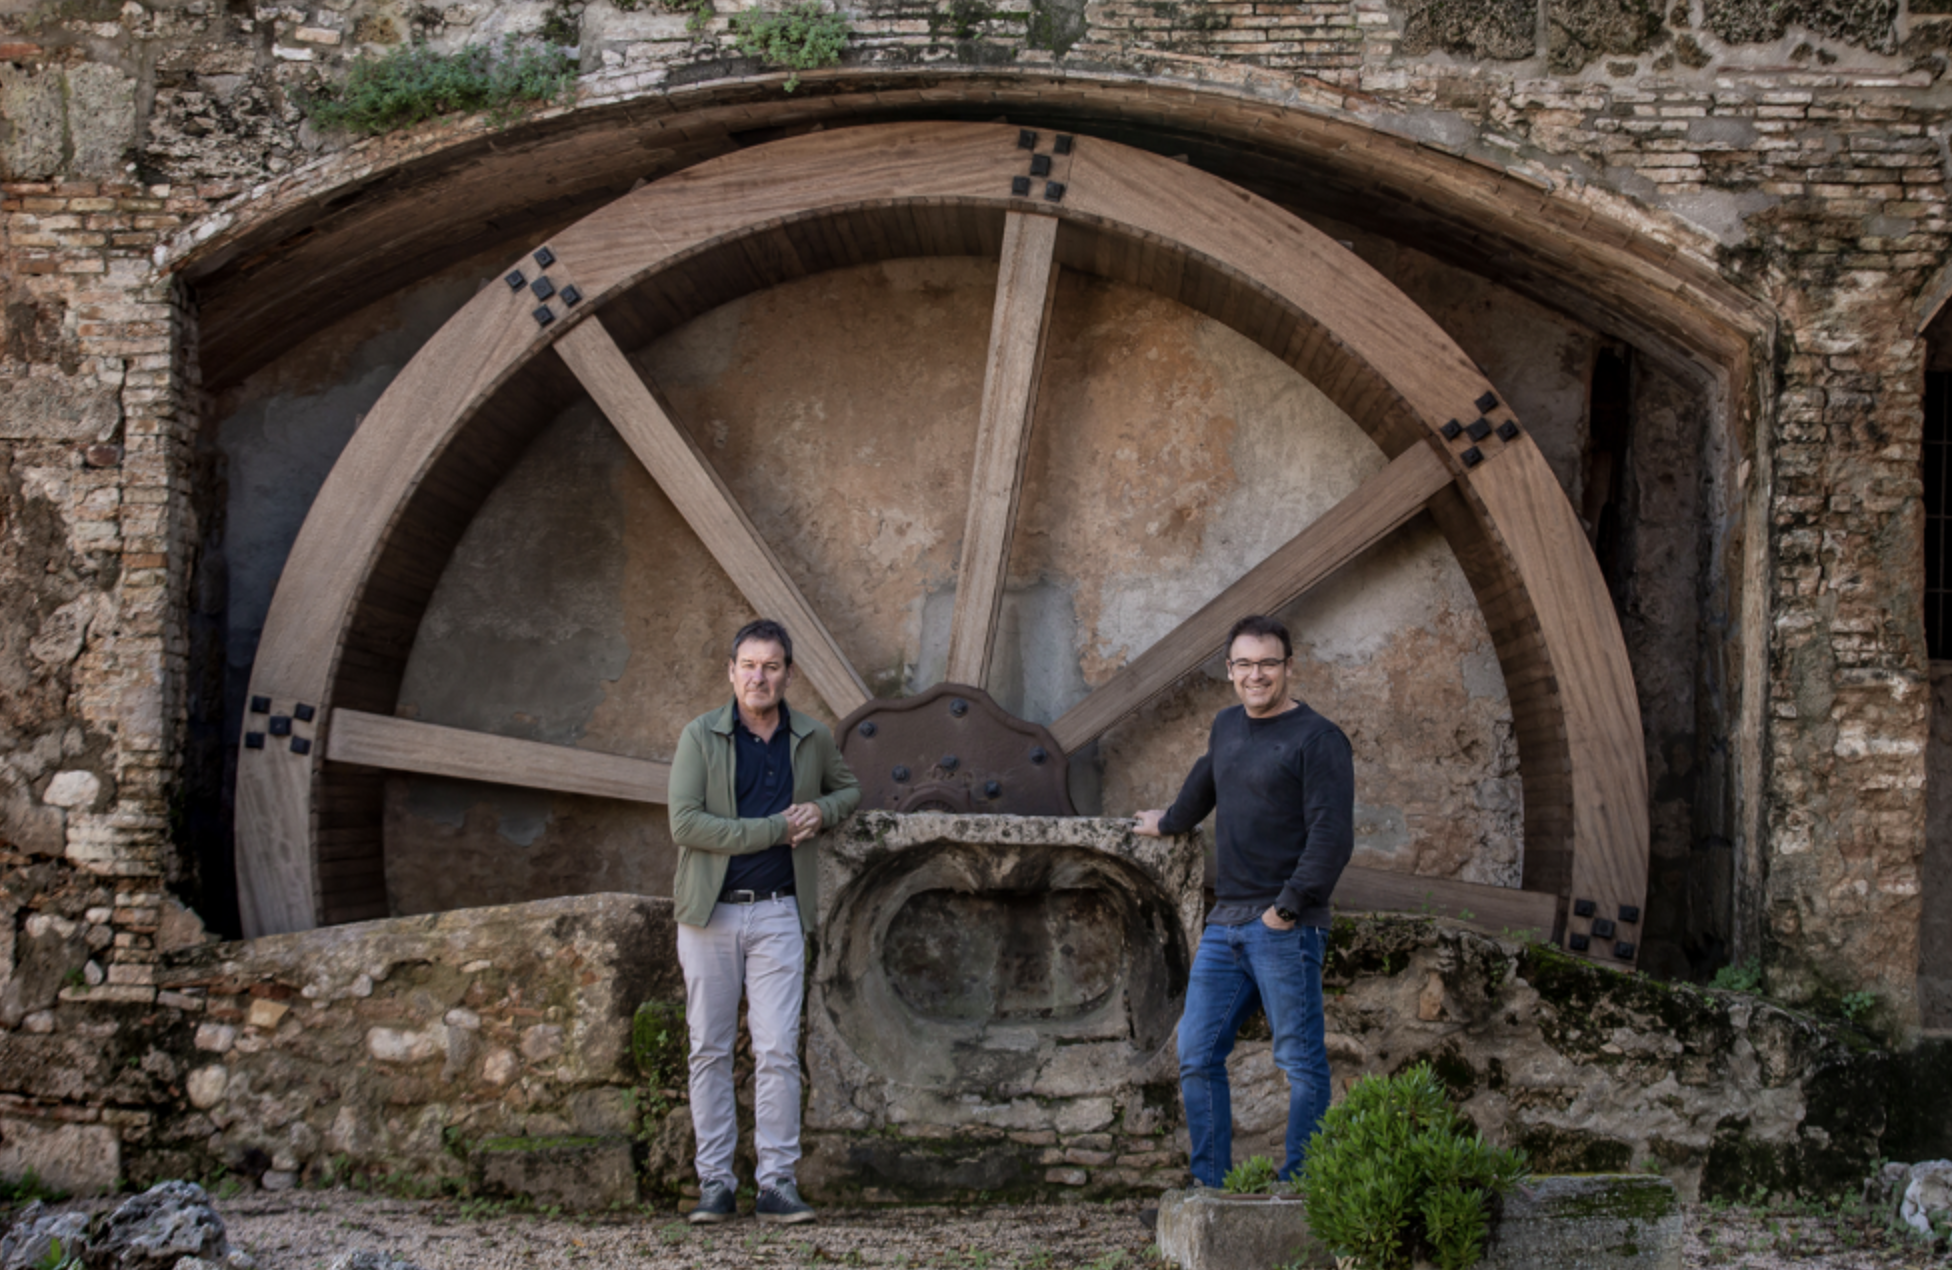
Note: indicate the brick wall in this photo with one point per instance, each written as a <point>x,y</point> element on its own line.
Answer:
<point>105,667</point>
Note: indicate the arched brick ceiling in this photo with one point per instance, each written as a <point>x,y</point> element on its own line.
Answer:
<point>366,224</point>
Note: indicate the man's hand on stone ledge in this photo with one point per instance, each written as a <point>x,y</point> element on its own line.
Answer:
<point>1146,823</point>
<point>802,822</point>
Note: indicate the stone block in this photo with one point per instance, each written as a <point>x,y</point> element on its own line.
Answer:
<point>1595,1222</point>
<point>46,955</point>
<point>31,101</point>
<point>47,407</point>
<point>85,1159</point>
<point>1927,1200</point>
<point>72,788</point>
<point>838,1167</point>
<point>1208,1230</point>
<point>579,1174</point>
<point>205,1086</point>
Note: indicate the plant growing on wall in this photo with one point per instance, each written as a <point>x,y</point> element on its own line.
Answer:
<point>412,83</point>
<point>1395,1173</point>
<point>800,37</point>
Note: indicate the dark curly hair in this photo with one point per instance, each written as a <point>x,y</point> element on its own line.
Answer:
<point>1261,625</point>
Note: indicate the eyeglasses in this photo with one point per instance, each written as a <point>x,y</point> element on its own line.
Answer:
<point>1267,667</point>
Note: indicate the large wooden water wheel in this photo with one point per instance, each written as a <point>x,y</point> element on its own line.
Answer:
<point>321,733</point>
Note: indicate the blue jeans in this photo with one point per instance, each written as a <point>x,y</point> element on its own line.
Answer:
<point>1235,968</point>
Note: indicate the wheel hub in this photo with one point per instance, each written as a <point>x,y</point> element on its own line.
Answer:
<point>952,749</point>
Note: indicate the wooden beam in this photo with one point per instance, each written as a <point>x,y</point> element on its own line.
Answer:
<point>1495,908</point>
<point>277,875</point>
<point>703,499</point>
<point>1344,532</point>
<point>1599,708</point>
<point>407,745</point>
<point>1026,285</point>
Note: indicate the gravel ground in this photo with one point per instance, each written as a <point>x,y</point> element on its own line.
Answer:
<point>1803,1237</point>
<point>306,1230</point>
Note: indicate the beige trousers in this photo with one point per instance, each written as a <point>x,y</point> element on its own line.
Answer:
<point>757,948</point>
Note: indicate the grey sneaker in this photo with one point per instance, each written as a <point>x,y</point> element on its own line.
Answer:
<point>714,1205</point>
<point>783,1204</point>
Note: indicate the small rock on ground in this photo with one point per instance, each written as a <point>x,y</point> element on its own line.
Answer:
<point>166,1224</point>
<point>32,1241</point>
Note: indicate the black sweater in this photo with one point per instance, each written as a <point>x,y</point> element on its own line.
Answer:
<point>1286,791</point>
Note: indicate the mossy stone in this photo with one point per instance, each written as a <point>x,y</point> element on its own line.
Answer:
<point>659,1043</point>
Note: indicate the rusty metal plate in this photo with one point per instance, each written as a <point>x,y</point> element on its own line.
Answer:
<point>953,749</point>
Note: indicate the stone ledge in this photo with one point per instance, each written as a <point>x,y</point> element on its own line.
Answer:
<point>582,1174</point>
<point>1596,1222</point>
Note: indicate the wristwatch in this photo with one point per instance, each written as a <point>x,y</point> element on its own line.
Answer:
<point>1287,915</point>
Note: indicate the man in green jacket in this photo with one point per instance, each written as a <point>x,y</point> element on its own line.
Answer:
<point>750,783</point>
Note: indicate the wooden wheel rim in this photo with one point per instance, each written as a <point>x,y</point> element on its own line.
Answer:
<point>886,190</point>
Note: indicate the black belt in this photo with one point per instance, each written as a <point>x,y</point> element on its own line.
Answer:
<point>754,897</point>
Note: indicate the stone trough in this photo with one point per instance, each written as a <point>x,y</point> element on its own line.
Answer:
<point>1596,1222</point>
<point>994,1005</point>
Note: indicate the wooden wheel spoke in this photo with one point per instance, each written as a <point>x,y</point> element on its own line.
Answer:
<point>407,745</point>
<point>1353,525</point>
<point>1026,284</point>
<point>1490,907</point>
<point>707,505</point>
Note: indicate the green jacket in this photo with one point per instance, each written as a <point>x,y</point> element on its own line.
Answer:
<point>704,806</point>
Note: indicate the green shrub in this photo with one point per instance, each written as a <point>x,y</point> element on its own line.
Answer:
<point>800,37</point>
<point>1250,1177</point>
<point>1857,1006</point>
<point>1746,977</point>
<point>698,14</point>
<point>1395,1173</point>
<point>412,83</point>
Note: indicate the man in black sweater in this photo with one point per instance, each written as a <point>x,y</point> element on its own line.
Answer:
<point>1282,779</point>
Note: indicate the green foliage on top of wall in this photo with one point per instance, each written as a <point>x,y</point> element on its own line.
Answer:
<point>800,37</point>
<point>1396,1174</point>
<point>413,83</point>
<point>1746,977</point>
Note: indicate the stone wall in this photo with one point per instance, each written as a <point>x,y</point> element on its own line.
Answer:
<point>1789,154</point>
<point>478,1050</point>
<point>397,1048</point>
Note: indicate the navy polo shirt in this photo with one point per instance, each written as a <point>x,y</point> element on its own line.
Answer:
<point>762,777</point>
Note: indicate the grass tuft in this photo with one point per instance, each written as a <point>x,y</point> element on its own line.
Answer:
<point>413,83</point>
